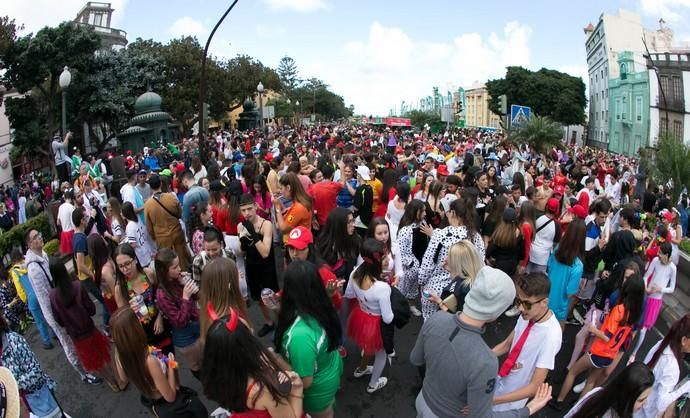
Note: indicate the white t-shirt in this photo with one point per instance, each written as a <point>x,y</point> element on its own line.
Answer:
<point>376,300</point>
<point>137,234</point>
<point>664,392</point>
<point>543,241</point>
<point>65,216</point>
<point>539,351</point>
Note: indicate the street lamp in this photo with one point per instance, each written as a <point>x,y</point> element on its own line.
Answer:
<point>260,89</point>
<point>289,102</point>
<point>299,110</point>
<point>65,80</point>
<point>202,87</point>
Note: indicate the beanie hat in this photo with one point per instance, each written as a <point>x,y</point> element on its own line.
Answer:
<point>491,294</point>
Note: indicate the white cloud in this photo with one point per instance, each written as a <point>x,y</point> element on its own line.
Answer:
<point>187,26</point>
<point>36,14</point>
<point>669,10</point>
<point>379,72</point>
<point>304,6</point>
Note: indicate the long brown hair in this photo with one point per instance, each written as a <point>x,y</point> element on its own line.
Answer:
<point>116,212</point>
<point>130,339</point>
<point>528,214</point>
<point>673,339</point>
<point>163,261</point>
<point>505,234</point>
<point>220,285</point>
<point>572,243</point>
<point>298,192</point>
<point>120,279</point>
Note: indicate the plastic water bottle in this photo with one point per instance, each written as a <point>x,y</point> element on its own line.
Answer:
<point>187,278</point>
<point>426,294</point>
<point>139,307</point>
<point>268,298</point>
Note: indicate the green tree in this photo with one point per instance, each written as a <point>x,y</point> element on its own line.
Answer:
<point>244,74</point>
<point>540,132</point>
<point>670,161</point>
<point>550,93</point>
<point>287,71</point>
<point>420,118</point>
<point>8,35</point>
<point>315,96</point>
<point>105,95</point>
<point>33,65</point>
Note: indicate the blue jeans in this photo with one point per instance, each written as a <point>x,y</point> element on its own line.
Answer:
<point>35,309</point>
<point>91,287</point>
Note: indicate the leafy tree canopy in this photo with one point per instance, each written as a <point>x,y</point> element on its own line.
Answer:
<point>550,93</point>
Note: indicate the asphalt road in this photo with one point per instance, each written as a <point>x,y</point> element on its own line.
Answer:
<point>81,400</point>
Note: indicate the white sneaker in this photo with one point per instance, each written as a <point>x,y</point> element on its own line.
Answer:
<point>579,388</point>
<point>514,311</point>
<point>380,384</point>
<point>359,373</point>
<point>415,311</point>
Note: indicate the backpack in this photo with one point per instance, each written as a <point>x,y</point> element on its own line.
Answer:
<point>400,307</point>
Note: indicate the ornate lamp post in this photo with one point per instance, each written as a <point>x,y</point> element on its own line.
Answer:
<point>289,102</point>
<point>299,111</point>
<point>260,89</point>
<point>65,80</point>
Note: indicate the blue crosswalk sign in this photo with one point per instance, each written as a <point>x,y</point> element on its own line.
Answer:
<point>519,115</point>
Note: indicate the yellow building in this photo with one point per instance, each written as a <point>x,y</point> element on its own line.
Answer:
<point>231,118</point>
<point>477,113</point>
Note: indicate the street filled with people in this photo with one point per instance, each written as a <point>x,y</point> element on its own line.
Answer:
<point>339,237</point>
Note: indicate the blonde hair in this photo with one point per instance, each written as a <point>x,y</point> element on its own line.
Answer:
<point>464,261</point>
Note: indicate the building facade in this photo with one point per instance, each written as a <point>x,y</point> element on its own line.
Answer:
<point>476,108</point>
<point>669,95</point>
<point>98,16</point>
<point>629,104</point>
<point>614,34</point>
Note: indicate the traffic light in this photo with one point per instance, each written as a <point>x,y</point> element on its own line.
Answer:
<point>459,106</point>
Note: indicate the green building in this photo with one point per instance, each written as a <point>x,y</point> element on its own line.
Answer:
<point>629,106</point>
<point>149,127</point>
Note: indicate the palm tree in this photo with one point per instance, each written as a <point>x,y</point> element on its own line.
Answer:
<point>541,133</point>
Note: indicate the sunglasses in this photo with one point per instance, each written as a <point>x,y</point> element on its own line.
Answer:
<point>526,304</point>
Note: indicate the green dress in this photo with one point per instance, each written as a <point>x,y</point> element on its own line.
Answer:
<point>305,345</point>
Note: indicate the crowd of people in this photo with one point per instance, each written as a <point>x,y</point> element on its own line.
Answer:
<point>341,234</point>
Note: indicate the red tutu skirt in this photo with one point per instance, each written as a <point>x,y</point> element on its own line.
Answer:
<point>93,351</point>
<point>66,242</point>
<point>365,330</point>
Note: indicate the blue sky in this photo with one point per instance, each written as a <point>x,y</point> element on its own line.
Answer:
<point>375,53</point>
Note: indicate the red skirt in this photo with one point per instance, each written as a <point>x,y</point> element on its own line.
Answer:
<point>365,330</point>
<point>93,351</point>
<point>66,242</point>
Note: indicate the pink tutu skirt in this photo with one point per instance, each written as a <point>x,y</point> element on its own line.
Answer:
<point>651,312</point>
<point>365,330</point>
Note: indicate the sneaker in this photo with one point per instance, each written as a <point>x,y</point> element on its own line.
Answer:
<point>48,346</point>
<point>359,373</point>
<point>380,384</point>
<point>575,321</point>
<point>514,311</point>
<point>579,388</point>
<point>342,351</point>
<point>415,311</point>
<point>91,379</point>
<point>265,330</point>
<point>578,316</point>
<point>554,404</point>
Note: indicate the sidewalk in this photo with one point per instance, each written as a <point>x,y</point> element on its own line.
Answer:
<point>677,304</point>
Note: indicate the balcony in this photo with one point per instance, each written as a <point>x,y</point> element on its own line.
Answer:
<point>109,36</point>
<point>672,104</point>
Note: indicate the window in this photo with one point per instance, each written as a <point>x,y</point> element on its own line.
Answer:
<point>618,108</point>
<point>607,115</point>
<point>638,108</point>
<point>663,125</point>
<point>624,105</point>
<point>677,129</point>
<point>676,95</point>
<point>602,115</point>
<point>664,85</point>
